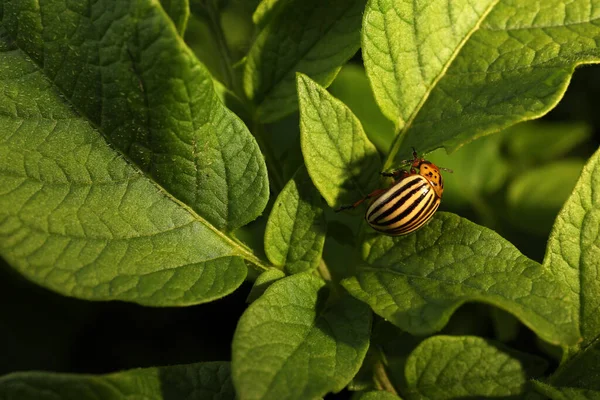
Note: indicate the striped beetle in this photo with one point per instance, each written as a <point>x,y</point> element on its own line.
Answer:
<point>410,202</point>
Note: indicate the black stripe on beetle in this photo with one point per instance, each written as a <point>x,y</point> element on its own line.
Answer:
<point>409,203</point>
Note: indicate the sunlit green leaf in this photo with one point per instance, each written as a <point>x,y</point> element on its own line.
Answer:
<point>574,250</point>
<point>292,343</point>
<point>342,162</point>
<point>178,11</point>
<point>295,232</point>
<point>417,281</point>
<point>78,217</point>
<point>147,93</point>
<point>351,86</point>
<point>265,11</point>
<point>263,281</point>
<point>449,72</point>
<point>409,45</point>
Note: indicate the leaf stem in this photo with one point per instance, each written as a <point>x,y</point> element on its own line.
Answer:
<point>382,381</point>
<point>324,271</point>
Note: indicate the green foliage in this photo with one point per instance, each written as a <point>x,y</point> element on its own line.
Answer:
<point>417,286</point>
<point>351,86</point>
<point>446,367</point>
<point>295,231</point>
<point>263,281</point>
<point>164,152</point>
<point>340,160</point>
<point>193,381</point>
<point>296,343</point>
<point>308,36</point>
<point>178,11</point>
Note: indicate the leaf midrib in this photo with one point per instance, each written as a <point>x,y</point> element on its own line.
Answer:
<point>400,137</point>
<point>238,249</point>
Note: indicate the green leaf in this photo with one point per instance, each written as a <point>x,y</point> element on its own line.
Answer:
<point>574,250</point>
<point>202,381</point>
<point>535,197</point>
<point>351,86</point>
<point>582,370</point>
<point>537,141</point>
<point>179,12</point>
<point>309,36</point>
<point>375,395</point>
<point>457,76</point>
<point>417,281</point>
<point>263,281</point>
<point>294,343</point>
<point>565,393</point>
<point>128,73</point>
<point>341,161</point>
<point>409,45</point>
<point>265,10</point>
<point>78,218</point>
<point>296,228</point>
<point>448,367</point>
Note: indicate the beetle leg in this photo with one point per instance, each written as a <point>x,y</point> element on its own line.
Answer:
<point>359,202</point>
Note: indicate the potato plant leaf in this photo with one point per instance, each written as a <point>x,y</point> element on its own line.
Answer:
<point>417,281</point>
<point>581,371</point>
<point>264,11</point>
<point>295,343</point>
<point>464,69</point>
<point>125,69</point>
<point>574,250</point>
<point>450,367</point>
<point>351,86</point>
<point>296,228</point>
<point>202,381</point>
<point>179,12</point>
<point>341,161</point>
<point>409,45</point>
<point>262,283</point>
<point>75,215</point>
<point>310,36</point>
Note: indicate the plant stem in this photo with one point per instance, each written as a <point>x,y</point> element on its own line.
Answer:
<point>324,271</point>
<point>381,378</point>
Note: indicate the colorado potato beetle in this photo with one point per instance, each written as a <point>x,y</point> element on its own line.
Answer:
<point>410,202</point>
